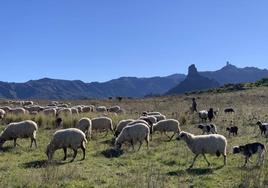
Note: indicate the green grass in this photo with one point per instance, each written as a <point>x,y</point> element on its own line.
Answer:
<point>163,165</point>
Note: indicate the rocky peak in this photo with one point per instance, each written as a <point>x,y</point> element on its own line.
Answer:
<point>192,71</point>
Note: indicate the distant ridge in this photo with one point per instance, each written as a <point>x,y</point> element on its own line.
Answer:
<point>47,88</point>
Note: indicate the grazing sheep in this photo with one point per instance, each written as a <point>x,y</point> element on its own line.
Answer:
<point>114,109</point>
<point>17,111</point>
<point>229,110</point>
<point>102,123</point>
<point>133,133</point>
<point>50,111</point>
<point>121,125</point>
<point>2,114</point>
<point>74,111</point>
<point>5,108</point>
<point>202,144</point>
<point>159,117</point>
<point>149,119</point>
<point>85,125</point>
<point>101,109</point>
<point>26,103</point>
<point>62,105</point>
<point>64,111</point>
<point>67,138</point>
<point>249,149</point>
<point>153,113</point>
<point>34,108</point>
<point>209,129</point>
<point>23,129</point>
<point>210,114</point>
<point>232,130</point>
<point>168,125</point>
<point>263,127</point>
<point>86,109</point>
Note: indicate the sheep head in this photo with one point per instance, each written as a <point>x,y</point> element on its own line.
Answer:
<point>183,136</point>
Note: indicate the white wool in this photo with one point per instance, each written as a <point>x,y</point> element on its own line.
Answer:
<point>210,144</point>
<point>121,125</point>
<point>168,125</point>
<point>66,138</point>
<point>23,129</point>
<point>133,133</point>
<point>102,123</point>
<point>85,125</point>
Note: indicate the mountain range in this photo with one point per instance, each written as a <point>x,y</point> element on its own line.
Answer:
<point>47,88</point>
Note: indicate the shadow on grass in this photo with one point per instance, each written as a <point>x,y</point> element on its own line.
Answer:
<point>109,142</point>
<point>203,171</point>
<point>112,153</point>
<point>194,171</point>
<point>42,164</point>
<point>7,148</point>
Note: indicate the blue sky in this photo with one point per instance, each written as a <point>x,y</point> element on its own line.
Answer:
<point>98,40</point>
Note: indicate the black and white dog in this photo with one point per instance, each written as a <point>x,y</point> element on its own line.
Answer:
<point>232,130</point>
<point>249,149</point>
<point>208,129</point>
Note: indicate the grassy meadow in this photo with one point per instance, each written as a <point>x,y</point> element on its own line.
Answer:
<point>163,165</point>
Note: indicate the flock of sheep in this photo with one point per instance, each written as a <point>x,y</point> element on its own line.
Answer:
<point>132,131</point>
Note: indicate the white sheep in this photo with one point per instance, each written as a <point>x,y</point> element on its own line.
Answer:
<point>114,109</point>
<point>102,123</point>
<point>64,111</point>
<point>168,125</point>
<point>6,108</point>
<point>85,125</point>
<point>153,113</point>
<point>149,119</point>
<point>160,117</point>
<point>2,114</point>
<point>50,111</point>
<point>23,129</point>
<point>17,111</point>
<point>202,144</point>
<point>74,111</point>
<point>133,134</point>
<point>101,109</point>
<point>121,125</point>
<point>67,138</point>
<point>203,115</point>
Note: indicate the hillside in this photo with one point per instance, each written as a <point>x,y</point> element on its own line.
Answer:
<point>64,89</point>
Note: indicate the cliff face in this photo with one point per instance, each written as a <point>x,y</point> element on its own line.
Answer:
<point>193,82</point>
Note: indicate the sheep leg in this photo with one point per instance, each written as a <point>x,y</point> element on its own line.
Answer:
<point>84,151</point>
<point>132,144</point>
<point>65,154</point>
<point>74,156</point>
<point>35,143</point>
<point>206,159</point>
<point>172,136</point>
<point>140,146</point>
<point>194,160</point>
<point>147,143</point>
<point>225,159</point>
<point>15,142</point>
